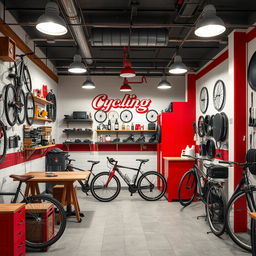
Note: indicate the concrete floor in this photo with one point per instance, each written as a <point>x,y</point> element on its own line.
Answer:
<point>131,226</point>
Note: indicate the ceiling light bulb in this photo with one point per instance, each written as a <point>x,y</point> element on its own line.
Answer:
<point>77,67</point>
<point>178,67</point>
<point>164,84</point>
<point>209,25</point>
<point>88,84</point>
<point>50,22</point>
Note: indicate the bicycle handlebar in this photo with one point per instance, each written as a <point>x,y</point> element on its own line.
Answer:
<point>112,160</point>
<point>197,158</point>
<point>244,165</point>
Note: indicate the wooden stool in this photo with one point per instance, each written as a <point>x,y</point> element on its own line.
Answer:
<point>253,233</point>
<point>40,232</point>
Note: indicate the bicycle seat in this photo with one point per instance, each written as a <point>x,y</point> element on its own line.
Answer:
<point>93,162</point>
<point>142,160</point>
<point>22,178</point>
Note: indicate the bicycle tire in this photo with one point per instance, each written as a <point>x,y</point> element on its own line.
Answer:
<point>3,141</point>
<point>60,220</point>
<point>242,239</point>
<point>189,198</point>
<point>160,185</point>
<point>26,78</point>
<point>30,108</point>
<point>51,108</point>
<point>9,105</point>
<point>96,187</point>
<point>21,115</point>
<point>215,209</point>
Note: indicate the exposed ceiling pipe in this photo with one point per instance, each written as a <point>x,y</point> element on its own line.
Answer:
<point>70,10</point>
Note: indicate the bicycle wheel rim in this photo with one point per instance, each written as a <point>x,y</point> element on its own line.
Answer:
<point>238,221</point>
<point>215,210</point>
<point>36,219</point>
<point>30,108</point>
<point>3,142</point>
<point>21,110</point>
<point>187,188</point>
<point>152,186</point>
<point>27,79</point>
<point>105,193</point>
<point>9,105</point>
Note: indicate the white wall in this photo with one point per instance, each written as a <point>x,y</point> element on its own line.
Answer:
<point>72,97</point>
<point>39,78</point>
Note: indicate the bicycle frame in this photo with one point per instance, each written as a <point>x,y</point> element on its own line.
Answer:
<point>15,194</point>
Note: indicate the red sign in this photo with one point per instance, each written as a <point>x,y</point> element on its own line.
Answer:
<point>102,102</point>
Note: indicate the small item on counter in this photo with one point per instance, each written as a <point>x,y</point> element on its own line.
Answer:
<point>98,127</point>
<point>142,127</point>
<point>141,139</point>
<point>44,91</point>
<point>108,138</point>
<point>137,127</point>
<point>127,127</point>
<point>90,115</point>
<point>116,140</point>
<point>132,127</point>
<point>123,126</point>
<point>152,138</point>
<point>116,125</point>
<point>129,139</point>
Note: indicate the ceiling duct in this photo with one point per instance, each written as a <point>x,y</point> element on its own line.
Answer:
<point>188,8</point>
<point>120,37</point>
<point>70,10</point>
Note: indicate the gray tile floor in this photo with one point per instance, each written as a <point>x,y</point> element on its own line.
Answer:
<point>131,226</point>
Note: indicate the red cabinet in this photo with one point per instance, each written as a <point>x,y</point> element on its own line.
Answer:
<point>174,168</point>
<point>13,230</point>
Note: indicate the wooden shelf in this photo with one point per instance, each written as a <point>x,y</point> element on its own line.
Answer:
<point>117,131</point>
<point>30,151</point>
<point>42,119</point>
<point>41,100</point>
<point>77,143</point>
<point>78,120</point>
<point>77,132</point>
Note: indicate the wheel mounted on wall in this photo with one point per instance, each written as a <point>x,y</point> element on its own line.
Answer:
<point>21,109</point>
<point>30,108</point>
<point>3,141</point>
<point>10,104</point>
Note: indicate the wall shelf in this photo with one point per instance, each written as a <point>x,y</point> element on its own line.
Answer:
<point>68,144</point>
<point>41,100</point>
<point>43,119</point>
<point>77,132</point>
<point>30,151</point>
<point>126,131</point>
<point>117,144</point>
<point>78,120</point>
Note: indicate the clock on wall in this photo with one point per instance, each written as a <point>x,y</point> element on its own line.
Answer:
<point>219,95</point>
<point>204,99</point>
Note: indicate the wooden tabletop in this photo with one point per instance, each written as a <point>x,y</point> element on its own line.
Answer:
<point>61,176</point>
<point>169,158</point>
<point>38,207</point>
<point>10,208</point>
<point>252,215</point>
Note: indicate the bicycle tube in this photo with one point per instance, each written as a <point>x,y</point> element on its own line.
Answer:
<point>3,141</point>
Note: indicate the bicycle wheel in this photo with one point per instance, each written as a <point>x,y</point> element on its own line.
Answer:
<point>187,188</point>
<point>215,209</point>
<point>21,108</point>
<point>237,220</point>
<point>30,108</point>
<point>26,78</point>
<point>102,192</point>
<point>152,186</point>
<point>10,104</point>
<point>35,220</point>
<point>3,142</point>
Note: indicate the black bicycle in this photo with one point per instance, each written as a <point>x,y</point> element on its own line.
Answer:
<point>17,104</point>
<point>3,141</point>
<point>34,216</point>
<point>106,186</point>
<point>85,185</point>
<point>241,202</point>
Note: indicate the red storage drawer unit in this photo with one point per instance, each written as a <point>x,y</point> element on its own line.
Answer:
<point>13,230</point>
<point>174,168</point>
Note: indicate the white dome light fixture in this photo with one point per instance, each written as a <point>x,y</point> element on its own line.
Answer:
<point>178,67</point>
<point>164,84</point>
<point>209,25</point>
<point>50,22</point>
<point>77,67</point>
<point>88,84</point>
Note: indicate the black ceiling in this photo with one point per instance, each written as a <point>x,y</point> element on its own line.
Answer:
<point>167,14</point>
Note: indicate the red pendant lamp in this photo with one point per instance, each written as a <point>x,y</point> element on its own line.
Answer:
<point>127,70</point>
<point>125,87</point>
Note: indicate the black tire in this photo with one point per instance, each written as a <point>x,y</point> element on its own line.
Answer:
<point>3,142</point>
<point>152,186</point>
<point>51,108</point>
<point>33,218</point>
<point>242,239</point>
<point>26,78</point>
<point>30,108</point>
<point>187,188</point>
<point>21,110</point>
<point>97,186</point>
<point>215,209</point>
<point>10,104</point>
